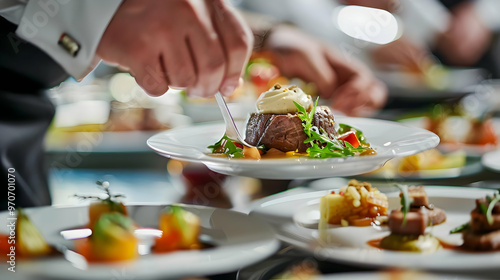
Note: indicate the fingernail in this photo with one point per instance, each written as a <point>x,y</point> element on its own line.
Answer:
<point>228,88</point>
<point>195,92</point>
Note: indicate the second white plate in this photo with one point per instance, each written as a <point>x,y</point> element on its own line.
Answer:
<point>295,217</point>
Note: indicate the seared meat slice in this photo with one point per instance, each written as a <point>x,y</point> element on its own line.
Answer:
<point>419,196</point>
<point>436,216</point>
<point>285,131</point>
<point>478,222</point>
<point>415,224</point>
<point>417,219</point>
<point>482,241</point>
<point>282,132</point>
<point>496,208</point>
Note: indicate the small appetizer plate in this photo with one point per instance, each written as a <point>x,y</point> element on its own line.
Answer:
<point>295,217</point>
<point>236,240</point>
<point>389,139</point>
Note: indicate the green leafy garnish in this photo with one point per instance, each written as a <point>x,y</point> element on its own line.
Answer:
<point>487,211</point>
<point>110,199</point>
<point>323,146</point>
<point>406,201</point>
<point>178,212</point>
<point>460,228</point>
<point>226,146</point>
<point>343,128</point>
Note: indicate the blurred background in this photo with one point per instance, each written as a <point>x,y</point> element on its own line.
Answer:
<point>439,61</point>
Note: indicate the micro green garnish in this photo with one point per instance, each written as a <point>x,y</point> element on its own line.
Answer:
<point>460,228</point>
<point>321,145</point>
<point>110,198</point>
<point>178,212</point>
<point>227,146</point>
<point>406,201</point>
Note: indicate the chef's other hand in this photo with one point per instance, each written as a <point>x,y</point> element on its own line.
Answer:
<point>402,54</point>
<point>349,84</point>
<point>201,45</point>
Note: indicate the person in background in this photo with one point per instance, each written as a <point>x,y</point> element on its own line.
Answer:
<point>459,33</point>
<point>348,84</point>
<point>199,45</point>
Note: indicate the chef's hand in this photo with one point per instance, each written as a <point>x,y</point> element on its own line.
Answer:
<point>402,54</point>
<point>350,85</point>
<point>201,45</point>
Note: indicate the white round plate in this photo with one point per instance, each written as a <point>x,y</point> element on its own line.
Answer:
<point>491,160</point>
<point>295,219</point>
<point>389,139</point>
<point>239,241</point>
<point>458,127</point>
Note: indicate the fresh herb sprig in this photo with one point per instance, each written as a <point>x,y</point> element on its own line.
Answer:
<point>110,199</point>
<point>321,145</point>
<point>488,210</point>
<point>460,228</point>
<point>406,201</point>
<point>226,146</point>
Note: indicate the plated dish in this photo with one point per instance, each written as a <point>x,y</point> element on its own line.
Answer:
<point>389,139</point>
<point>455,132</point>
<point>251,241</point>
<point>464,166</point>
<point>296,218</point>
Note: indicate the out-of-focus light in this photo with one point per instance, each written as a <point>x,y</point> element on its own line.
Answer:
<point>368,24</point>
<point>76,233</point>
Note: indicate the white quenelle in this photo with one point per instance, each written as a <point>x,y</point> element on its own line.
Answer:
<point>279,100</point>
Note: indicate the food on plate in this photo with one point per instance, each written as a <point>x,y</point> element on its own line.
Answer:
<point>108,204</point>
<point>24,240</point>
<point>181,230</point>
<point>408,224</point>
<point>482,133</point>
<point>112,239</point>
<point>431,160</point>
<point>29,240</point>
<point>288,123</point>
<point>357,204</point>
<point>304,270</point>
<point>425,164</point>
<point>482,233</point>
<point>276,124</point>
<point>459,129</point>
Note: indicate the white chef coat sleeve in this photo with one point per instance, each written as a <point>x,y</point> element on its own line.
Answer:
<point>67,30</point>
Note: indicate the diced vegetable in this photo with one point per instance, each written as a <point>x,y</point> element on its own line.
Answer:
<point>112,239</point>
<point>30,242</point>
<point>180,228</point>
<point>350,137</point>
